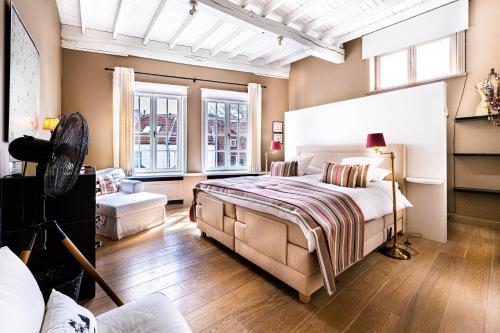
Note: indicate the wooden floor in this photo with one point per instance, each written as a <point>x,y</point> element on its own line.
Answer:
<point>453,287</point>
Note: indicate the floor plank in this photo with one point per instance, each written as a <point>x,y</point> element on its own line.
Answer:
<point>453,287</point>
<point>466,310</point>
<point>493,312</point>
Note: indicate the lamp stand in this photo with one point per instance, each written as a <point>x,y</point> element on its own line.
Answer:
<point>393,250</point>
<point>266,155</point>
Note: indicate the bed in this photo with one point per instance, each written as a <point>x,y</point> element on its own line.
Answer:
<point>276,240</point>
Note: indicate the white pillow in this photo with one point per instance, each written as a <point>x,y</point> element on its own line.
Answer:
<point>303,163</point>
<point>64,315</point>
<point>374,162</point>
<point>21,302</point>
<point>379,174</point>
<point>313,170</point>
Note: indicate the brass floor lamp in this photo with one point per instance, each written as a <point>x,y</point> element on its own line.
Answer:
<point>376,141</point>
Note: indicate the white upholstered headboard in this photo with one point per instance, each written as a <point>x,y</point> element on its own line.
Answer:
<point>322,154</point>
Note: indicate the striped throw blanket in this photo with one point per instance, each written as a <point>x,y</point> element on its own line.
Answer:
<point>333,219</point>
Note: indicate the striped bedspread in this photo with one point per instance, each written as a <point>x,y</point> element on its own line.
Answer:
<point>333,218</point>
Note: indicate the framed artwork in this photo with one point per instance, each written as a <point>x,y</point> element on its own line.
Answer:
<point>23,73</point>
<point>277,127</point>
<point>278,137</point>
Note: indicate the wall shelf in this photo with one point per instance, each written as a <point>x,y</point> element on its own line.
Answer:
<point>478,154</point>
<point>477,190</point>
<point>426,181</point>
<point>459,119</point>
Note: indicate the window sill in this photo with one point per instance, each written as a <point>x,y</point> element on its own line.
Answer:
<point>153,177</point>
<point>415,84</point>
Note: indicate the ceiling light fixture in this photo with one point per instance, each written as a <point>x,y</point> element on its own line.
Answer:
<point>280,40</point>
<point>193,4</point>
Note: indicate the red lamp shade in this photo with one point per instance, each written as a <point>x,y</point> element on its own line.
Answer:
<point>375,140</point>
<point>275,145</point>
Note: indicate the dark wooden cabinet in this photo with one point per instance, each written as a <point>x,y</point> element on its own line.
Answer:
<point>74,211</point>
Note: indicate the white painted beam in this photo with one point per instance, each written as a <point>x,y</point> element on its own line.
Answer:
<point>271,6</point>
<point>404,15</point>
<point>299,55</point>
<point>247,45</point>
<point>280,54</point>
<point>102,42</point>
<point>200,41</point>
<point>321,49</point>
<point>153,22</point>
<point>331,16</point>
<point>360,20</point>
<point>226,40</point>
<point>262,52</point>
<point>117,18</point>
<point>301,10</point>
<point>83,15</point>
<point>180,30</point>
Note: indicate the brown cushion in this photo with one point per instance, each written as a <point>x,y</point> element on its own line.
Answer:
<point>284,169</point>
<point>345,175</point>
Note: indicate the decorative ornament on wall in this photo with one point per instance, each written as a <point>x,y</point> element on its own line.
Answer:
<point>489,90</point>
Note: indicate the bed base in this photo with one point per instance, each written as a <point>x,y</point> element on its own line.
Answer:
<point>276,245</point>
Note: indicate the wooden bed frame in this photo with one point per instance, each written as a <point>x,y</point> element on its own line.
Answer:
<point>278,246</point>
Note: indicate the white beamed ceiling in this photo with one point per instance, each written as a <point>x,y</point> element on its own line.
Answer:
<point>222,40</point>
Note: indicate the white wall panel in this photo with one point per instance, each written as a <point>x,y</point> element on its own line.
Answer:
<point>415,117</point>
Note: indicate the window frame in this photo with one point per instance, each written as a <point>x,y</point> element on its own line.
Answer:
<point>457,63</point>
<point>181,132</point>
<point>227,146</point>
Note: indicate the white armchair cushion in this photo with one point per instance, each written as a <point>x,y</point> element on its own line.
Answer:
<point>64,315</point>
<point>153,313</point>
<point>131,186</point>
<point>21,302</point>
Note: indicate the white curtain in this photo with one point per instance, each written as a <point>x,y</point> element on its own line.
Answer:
<point>255,125</point>
<point>123,119</point>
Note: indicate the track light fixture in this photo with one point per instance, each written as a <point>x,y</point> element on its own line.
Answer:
<point>280,40</point>
<point>193,4</point>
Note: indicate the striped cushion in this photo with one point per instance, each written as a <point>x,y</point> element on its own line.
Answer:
<point>105,185</point>
<point>284,169</point>
<point>345,175</point>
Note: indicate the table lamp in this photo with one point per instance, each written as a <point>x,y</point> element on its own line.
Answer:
<point>275,146</point>
<point>376,141</point>
<point>50,123</point>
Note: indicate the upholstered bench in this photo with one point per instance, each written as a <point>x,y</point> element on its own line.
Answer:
<point>129,210</point>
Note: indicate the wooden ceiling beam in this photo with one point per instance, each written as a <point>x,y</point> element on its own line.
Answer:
<point>83,17</point>
<point>180,30</point>
<point>360,20</point>
<point>271,6</point>
<point>320,49</point>
<point>331,16</point>
<point>116,24</point>
<point>301,11</point>
<point>203,38</point>
<point>153,22</point>
<point>226,40</point>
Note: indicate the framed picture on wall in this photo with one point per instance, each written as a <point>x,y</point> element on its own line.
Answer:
<point>278,137</point>
<point>22,101</point>
<point>277,127</point>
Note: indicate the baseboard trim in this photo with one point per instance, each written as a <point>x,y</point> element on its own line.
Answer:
<point>454,218</point>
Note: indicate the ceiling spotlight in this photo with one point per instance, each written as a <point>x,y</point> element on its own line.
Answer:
<point>193,4</point>
<point>280,40</point>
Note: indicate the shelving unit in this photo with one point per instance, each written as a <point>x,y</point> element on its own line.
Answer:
<point>478,154</point>
<point>460,119</point>
<point>477,190</point>
<point>485,155</point>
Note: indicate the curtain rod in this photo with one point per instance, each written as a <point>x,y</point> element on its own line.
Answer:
<point>194,79</point>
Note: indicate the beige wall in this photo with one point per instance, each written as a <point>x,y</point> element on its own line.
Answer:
<point>314,82</point>
<point>87,88</point>
<point>41,18</point>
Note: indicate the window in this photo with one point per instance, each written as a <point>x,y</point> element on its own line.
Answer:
<point>158,132</point>
<point>226,132</point>
<point>433,60</point>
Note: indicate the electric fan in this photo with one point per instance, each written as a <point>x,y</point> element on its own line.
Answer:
<point>58,165</point>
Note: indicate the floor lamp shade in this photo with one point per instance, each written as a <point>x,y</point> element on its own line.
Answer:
<point>375,140</point>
